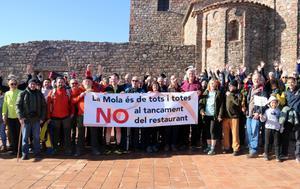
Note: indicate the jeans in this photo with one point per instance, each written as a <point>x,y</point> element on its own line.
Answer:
<point>252,127</point>
<point>3,134</point>
<point>28,129</point>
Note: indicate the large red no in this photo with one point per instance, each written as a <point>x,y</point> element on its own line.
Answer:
<point>107,116</point>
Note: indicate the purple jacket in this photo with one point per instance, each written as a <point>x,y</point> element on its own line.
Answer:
<point>186,86</point>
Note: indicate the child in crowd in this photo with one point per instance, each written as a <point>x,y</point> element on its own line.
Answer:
<point>272,127</point>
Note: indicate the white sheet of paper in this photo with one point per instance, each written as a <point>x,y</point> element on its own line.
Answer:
<point>260,100</point>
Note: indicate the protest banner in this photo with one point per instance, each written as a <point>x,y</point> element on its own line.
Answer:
<point>140,109</point>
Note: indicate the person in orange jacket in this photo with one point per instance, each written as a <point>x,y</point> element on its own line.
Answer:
<point>60,111</point>
<point>76,90</point>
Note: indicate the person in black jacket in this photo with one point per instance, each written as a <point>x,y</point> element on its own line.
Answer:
<point>31,111</point>
<point>113,87</point>
<point>210,106</point>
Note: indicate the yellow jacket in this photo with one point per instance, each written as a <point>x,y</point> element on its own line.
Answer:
<point>9,104</point>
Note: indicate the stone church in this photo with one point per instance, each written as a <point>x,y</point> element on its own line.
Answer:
<point>168,35</point>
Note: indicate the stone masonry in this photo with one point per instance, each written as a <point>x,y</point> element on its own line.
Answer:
<point>71,56</point>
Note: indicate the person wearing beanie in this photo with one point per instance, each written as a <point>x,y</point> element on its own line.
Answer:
<point>31,111</point>
<point>272,127</point>
<point>230,115</point>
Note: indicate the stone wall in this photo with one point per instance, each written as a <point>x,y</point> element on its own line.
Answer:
<point>74,56</point>
<point>149,25</point>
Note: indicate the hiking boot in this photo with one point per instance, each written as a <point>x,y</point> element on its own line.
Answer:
<point>68,153</point>
<point>155,149</point>
<point>211,152</point>
<point>173,148</point>
<point>278,159</point>
<point>3,149</point>
<point>167,148</point>
<point>118,150</point>
<point>108,150</point>
<point>206,150</point>
<point>149,149</point>
<point>266,158</point>
<point>283,157</point>
<point>236,153</point>
<point>252,155</point>
<point>24,157</point>
<point>77,153</point>
<point>95,152</point>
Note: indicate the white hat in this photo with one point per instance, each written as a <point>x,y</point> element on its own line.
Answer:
<point>272,98</point>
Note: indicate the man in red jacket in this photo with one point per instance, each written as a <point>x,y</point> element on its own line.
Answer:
<point>76,90</point>
<point>59,111</point>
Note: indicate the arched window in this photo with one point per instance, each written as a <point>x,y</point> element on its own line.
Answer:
<point>163,5</point>
<point>233,30</point>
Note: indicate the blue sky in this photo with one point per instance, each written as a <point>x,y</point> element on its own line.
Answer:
<point>81,20</point>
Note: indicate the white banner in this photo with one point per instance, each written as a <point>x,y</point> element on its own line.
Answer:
<point>140,109</point>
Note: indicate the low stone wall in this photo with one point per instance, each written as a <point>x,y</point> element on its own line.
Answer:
<point>121,58</point>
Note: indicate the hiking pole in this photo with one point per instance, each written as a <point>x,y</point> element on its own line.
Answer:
<point>19,142</point>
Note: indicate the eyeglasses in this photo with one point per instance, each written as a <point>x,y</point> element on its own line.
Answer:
<point>135,80</point>
<point>13,84</point>
<point>283,77</point>
<point>74,83</point>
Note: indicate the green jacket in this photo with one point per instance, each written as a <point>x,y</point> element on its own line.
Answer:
<point>218,103</point>
<point>9,104</point>
<point>232,106</point>
<point>31,105</point>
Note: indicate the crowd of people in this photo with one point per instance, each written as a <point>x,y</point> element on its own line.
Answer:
<point>47,114</point>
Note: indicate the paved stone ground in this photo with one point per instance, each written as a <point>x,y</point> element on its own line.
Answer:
<point>138,170</point>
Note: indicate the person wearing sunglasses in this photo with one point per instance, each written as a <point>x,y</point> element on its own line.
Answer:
<point>9,114</point>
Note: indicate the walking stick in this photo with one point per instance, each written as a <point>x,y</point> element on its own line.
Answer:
<point>19,142</point>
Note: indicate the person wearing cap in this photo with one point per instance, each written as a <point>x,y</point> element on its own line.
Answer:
<point>31,111</point>
<point>9,114</point>
<point>230,115</point>
<point>283,81</point>
<point>272,128</point>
